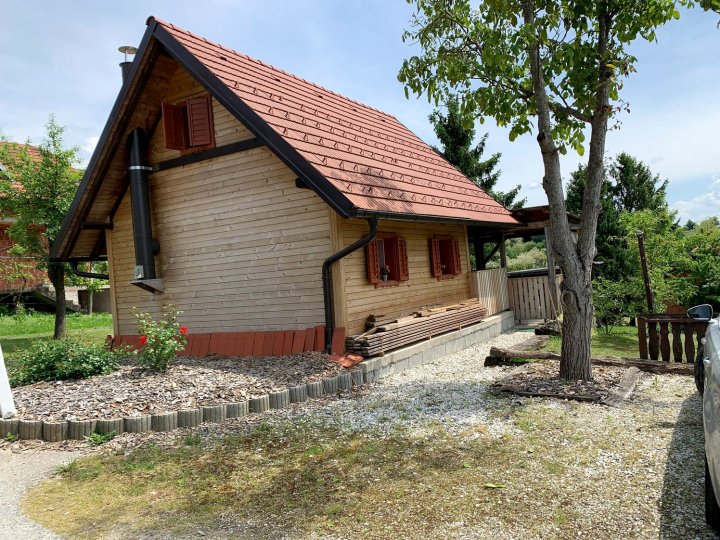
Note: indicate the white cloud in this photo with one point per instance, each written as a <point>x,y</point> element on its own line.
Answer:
<point>88,147</point>
<point>699,208</point>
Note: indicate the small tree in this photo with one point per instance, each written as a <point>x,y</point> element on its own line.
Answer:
<point>553,68</point>
<point>36,191</point>
<point>456,139</point>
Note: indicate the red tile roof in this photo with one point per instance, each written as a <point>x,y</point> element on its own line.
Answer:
<point>369,156</point>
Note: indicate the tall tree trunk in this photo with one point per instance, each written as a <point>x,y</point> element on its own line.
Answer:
<point>575,259</point>
<point>56,273</point>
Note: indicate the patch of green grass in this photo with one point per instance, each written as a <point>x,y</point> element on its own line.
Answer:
<point>18,333</point>
<point>622,341</point>
<point>96,439</point>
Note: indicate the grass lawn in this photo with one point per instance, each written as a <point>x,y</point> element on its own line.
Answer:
<point>622,341</point>
<point>18,333</point>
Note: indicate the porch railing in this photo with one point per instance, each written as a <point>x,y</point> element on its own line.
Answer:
<point>491,288</point>
<point>669,336</point>
<point>530,295</point>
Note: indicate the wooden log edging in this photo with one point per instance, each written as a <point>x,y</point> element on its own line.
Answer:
<point>499,356</point>
<point>57,431</point>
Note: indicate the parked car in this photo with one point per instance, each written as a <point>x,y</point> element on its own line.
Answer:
<point>707,379</point>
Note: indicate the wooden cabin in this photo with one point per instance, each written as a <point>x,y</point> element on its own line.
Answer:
<point>264,206</point>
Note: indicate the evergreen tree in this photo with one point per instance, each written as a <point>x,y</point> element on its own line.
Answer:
<point>456,140</point>
<point>630,187</point>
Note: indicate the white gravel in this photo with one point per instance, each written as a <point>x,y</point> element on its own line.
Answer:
<point>19,472</point>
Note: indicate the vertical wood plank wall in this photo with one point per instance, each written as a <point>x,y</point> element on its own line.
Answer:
<point>241,245</point>
<point>530,297</point>
<point>491,288</point>
<point>422,289</point>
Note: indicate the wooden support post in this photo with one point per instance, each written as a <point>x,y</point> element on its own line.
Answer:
<point>503,256</point>
<point>645,273</point>
<point>642,337</point>
<point>479,254</point>
<point>552,277</point>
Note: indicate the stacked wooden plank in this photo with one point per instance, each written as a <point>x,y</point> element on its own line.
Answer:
<point>388,334</point>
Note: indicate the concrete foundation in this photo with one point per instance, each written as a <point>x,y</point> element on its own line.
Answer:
<point>435,348</point>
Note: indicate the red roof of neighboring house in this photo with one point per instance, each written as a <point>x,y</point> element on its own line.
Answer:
<point>369,156</point>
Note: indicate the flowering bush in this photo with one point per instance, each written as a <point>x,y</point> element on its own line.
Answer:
<point>160,340</point>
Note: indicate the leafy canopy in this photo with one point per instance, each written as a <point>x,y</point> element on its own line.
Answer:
<point>36,190</point>
<point>480,53</point>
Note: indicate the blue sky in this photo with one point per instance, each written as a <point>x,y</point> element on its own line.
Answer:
<point>61,58</point>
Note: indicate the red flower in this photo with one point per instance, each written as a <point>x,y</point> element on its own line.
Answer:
<point>183,331</point>
<point>143,340</point>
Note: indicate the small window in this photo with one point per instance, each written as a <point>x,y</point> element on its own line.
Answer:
<point>387,262</point>
<point>445,257</point>
<point>189,124</point>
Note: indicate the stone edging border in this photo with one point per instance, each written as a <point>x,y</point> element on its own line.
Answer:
<point>56,431</point>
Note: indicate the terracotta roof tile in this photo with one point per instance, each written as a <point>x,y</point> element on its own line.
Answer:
<point>368,155</point>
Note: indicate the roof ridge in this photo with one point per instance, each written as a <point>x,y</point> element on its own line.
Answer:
<point>275,68</point>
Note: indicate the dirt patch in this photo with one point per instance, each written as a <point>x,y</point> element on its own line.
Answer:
<point>541,378</point>
<point>190,382</point>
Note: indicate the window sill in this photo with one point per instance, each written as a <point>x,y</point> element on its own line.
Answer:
<point>388,283</point>
<point>446,276</point>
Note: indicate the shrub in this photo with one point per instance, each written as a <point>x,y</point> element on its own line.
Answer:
<point>160,340</point>
<point>52,360</point>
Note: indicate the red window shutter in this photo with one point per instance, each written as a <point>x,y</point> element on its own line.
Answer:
<point>456,257</point>
<point>404,273</point>
<point>200,126</point>
<point>373,264</point>
<point>435,261</point>
<point>174,127</point>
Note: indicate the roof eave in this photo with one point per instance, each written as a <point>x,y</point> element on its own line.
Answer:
<point>427,218</point>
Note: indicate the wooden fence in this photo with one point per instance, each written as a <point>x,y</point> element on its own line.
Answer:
<point>677,339</point>
<point>491,288</point>
<point>530,296</point>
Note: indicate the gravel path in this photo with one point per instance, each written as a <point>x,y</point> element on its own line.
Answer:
<point>18,472</point>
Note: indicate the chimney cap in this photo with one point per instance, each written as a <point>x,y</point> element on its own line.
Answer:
<point>127,50</point>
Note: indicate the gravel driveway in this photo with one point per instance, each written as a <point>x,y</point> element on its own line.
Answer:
<point>18,472</point>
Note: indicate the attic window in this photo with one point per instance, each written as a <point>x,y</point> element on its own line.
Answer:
<point>189,124</point>
<point>387,260</point>
<point>445,257</point>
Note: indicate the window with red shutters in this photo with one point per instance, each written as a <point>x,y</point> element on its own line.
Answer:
<point>189,124</point>
<point>387,260</point>
<point>445,258</point>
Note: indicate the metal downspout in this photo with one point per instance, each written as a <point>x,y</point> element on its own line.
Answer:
<point>327,278</point>
<point>93,275</point>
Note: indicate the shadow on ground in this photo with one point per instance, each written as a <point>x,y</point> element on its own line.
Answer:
<point>682,506</point>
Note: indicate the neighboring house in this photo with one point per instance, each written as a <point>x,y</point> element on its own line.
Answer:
<point>222,185</point>
<point>20,280</point>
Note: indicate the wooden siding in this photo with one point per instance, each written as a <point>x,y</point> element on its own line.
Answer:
<point>241,247</point>
<point>491,288</point>
<point>422,289</point>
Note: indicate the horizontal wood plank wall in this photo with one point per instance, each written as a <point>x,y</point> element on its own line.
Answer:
<point>491,288</point>
<point>227,128</point>
<point>422,289</point>
<point>241,247</point>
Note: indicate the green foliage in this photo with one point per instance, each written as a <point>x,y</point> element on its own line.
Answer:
<point>480,52</point>
<point>456,139</point>
<point>533,258</point>
<point>161,340</point>
<point>11,437</point>
<point>629,186</point>
<point>97,439</point>
<point>38,191</point>
<point>611,300</point>
<point>63,359</point>
<point>703,245</point>
<point>669,262</point>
